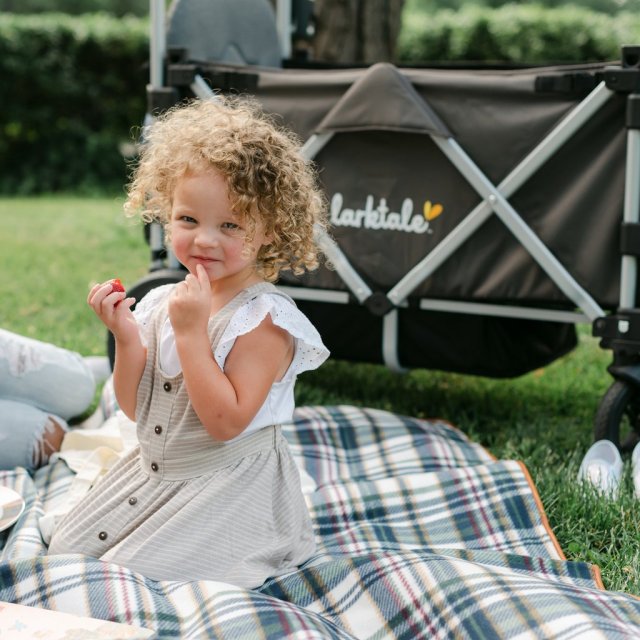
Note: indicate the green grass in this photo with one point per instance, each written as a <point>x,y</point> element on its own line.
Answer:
<point>53,248</point>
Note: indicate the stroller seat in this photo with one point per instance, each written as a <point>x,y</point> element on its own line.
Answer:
<point>234,31</point>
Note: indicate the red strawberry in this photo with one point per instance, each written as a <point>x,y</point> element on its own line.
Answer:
<point>116,285</point>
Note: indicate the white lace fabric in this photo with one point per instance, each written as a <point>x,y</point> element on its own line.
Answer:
<point>145,307</point>
<point>310,352</point>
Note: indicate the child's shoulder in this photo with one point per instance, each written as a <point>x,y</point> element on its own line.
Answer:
<point>267,300</point>
<point>285,314</point>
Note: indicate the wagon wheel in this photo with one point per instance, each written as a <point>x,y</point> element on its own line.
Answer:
<point>618,416</point>
<point>139,290</point>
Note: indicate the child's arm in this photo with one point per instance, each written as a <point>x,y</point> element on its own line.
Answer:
<point>225,401</point>
<point>114,309</point>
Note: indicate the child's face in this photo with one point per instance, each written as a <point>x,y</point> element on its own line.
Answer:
<point>204,230</point>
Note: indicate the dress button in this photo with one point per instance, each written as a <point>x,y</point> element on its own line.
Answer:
<point>154,466</point>
<point>167,386</point>
<point>158,429</point>
<point>102,535</point>
<point>133,500</point>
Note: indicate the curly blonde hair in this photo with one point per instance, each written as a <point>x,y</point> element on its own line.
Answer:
<point>267,177</point>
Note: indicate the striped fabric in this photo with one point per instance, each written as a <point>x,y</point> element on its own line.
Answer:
<point>420,534</point>
<point>182,506</point>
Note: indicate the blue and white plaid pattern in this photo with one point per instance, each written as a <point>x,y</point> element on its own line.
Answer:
<point>421,534</point>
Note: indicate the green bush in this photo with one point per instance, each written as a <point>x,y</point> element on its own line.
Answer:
<point>73,87</point>
<point>610,7</point>
<point>116,7</point>
<point>71,91</point>
<point>515,33</point>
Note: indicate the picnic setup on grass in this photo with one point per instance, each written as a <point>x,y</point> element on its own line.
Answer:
<point>477,216</point>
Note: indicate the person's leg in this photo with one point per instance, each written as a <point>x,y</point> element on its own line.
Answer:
<point>28,436</point>
<point>43,375</point>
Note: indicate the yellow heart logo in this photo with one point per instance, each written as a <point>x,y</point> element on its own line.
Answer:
<point>432,211</point>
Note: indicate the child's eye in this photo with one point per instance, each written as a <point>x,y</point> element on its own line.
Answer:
<point>230,226</point>
<point>186,219</point>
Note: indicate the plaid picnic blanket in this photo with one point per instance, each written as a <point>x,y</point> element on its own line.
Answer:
<point>421,534</point>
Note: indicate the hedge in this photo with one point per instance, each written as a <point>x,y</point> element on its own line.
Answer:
<point>516,33</point>
<point>72,88</point>
<point>78,7</point>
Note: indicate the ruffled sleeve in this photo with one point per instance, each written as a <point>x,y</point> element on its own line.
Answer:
<point>310,351</point>
<point>145,308</point>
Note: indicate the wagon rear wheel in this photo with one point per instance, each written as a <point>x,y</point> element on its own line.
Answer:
<point>618,416</point>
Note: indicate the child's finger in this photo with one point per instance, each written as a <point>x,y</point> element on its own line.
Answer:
<point>124,303</point>
<point>190,281</point>
<point>203,278</point>
<point>93,291</point>
<point>114,298</point>
<point>98,293</point>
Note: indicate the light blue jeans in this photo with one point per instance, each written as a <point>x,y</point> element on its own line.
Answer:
<point>37,381</point>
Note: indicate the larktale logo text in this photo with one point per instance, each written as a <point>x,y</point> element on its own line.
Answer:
<point>381,217</point>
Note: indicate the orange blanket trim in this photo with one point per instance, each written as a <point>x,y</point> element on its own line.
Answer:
<point>594,569</point>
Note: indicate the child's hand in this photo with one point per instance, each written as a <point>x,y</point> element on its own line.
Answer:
<point>190,303</point>
<point>110,304</point>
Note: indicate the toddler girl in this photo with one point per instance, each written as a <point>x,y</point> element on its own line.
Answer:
<point>207,367</point>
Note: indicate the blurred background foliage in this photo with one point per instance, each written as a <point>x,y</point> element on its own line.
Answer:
<point>118,8</point>
<point>603,6</point>
<point>72,89</point>
<point>515,33</point>
<point>141,7</point>
<point>74,71</point>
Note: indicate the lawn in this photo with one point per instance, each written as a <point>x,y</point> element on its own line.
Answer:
<point>53,248</point>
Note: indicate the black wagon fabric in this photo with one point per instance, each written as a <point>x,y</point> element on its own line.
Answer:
<point>394,196</point>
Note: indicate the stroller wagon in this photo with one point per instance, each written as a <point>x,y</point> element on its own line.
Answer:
<point>476,215</point>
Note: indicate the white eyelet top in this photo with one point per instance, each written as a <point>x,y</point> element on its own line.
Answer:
<point>310,352</point>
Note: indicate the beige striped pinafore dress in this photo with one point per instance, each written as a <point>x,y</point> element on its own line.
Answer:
<point>182,506</point>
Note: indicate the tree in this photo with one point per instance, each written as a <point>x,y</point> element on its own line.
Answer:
<point>356,31</point>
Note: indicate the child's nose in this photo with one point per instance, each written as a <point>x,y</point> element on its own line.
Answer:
<point>207,237</point>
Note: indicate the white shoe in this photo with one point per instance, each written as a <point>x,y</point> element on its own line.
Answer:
<point>635,469</point>
<point>602,467</point>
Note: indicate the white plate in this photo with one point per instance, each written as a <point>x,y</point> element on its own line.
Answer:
<point>11,507</point>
